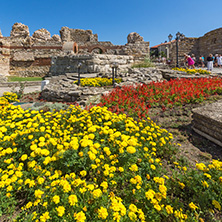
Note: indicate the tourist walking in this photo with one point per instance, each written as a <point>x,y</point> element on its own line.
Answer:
<point>189,61</point>
<point>194,59</point>
<point>215,60</point>
<point>210,62</point>
<point>201,61</point>
<point>219,60</point>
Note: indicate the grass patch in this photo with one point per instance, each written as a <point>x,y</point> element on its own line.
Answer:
<point>20,79</point>
<point>144,64</point>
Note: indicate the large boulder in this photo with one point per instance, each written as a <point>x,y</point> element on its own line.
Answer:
<point>19,30</point>
<point>134,37</point>
<point>42,35</point>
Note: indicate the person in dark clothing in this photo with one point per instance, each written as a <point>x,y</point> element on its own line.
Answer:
<point>210,62</point>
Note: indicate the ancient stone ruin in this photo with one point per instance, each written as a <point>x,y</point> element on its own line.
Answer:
<point>25,55</point>
<point>207,121</point>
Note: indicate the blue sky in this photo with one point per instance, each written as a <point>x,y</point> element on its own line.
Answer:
<point>114,20</point>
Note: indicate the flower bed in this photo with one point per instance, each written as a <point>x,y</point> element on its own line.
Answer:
<point>135,101</point>
<point>192,71</point>
<point>95,82</point>
<point>11,97</point>
<point>78,165</point>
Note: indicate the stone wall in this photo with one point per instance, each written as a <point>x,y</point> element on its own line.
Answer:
<point>91,63</point>
<point>77,35</point>
<point>207,121</point>
<point>187,45</point>
<point>4,56</point>
<point>211,42</point>
<point>34,60</point>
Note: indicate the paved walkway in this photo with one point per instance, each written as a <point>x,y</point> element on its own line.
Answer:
<point>28,89</point>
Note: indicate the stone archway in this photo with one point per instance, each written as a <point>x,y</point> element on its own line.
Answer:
<point>97,49</point>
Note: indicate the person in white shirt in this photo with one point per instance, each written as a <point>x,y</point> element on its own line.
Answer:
<point>219,60</point>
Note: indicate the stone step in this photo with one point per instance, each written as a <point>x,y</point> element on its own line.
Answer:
<point>82,75</point>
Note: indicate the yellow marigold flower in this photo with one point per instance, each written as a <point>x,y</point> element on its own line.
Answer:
<point>132,216</point>
<point>80,217</point>
<point>56,199</point>
<point>148,176</point>
<point>152,167</point>
<point>182,185</point>
<point>200,166</point>
<point>41,180</point>
<point>157,207</point>
<point>207,175</point>
<point>104,184</point>
<point>102,213</point>
<point>73,200</point>
<point>60,211</point>
<point>216,204</point>
<point>133,208</point>
<point>80,154</point>
<point>83,173</point>
<point>133,167</point>
<point>192,206</point>
<point>131,149</point>
<point>97,193</point>
<point>150,194</point>
<point>38,193</point>
<point>45,216</point>
<point>184,169</point>
<point>162,189</point>
<point>31,183</point>
<point>24,157</point>
<point>28,205</point>
<point>205,184</point>
<point>220,179</point>
<point>121,169</point>
<point>169,209</point>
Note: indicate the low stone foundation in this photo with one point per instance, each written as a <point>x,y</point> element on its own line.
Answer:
<point>62,88</point>
<point>207,121</point>
<point>91,63</point>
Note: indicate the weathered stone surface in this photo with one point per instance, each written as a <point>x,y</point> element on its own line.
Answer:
<point>23,56</point>
<point>19,30</point>
<point>207,121</point>
<point>77,35</point>
<point>1,34</point>
<point>56,38</point>
<point>134,37</point>
<point>42,35</point>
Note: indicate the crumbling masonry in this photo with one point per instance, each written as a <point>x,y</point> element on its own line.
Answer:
<point>25,55</point>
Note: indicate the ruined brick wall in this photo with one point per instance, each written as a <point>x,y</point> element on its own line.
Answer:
<point>34,60</point>
<point>88,43</point>
<point>31,55</point>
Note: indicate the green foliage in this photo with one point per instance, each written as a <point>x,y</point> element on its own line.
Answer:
<point>144,64</point>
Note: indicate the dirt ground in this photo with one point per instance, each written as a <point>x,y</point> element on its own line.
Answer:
<point>178,121</point>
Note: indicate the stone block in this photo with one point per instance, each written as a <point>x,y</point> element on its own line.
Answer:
<point>207,121</point>
<point>75,93</point>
